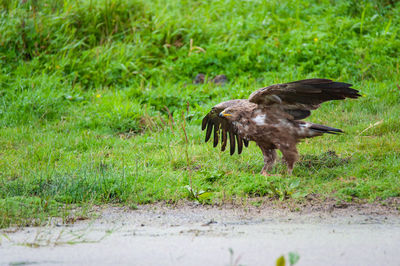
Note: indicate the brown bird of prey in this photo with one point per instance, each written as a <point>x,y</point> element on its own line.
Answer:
<point>272,118</point>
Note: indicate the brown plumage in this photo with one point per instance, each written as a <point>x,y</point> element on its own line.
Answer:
<point>272,118</point>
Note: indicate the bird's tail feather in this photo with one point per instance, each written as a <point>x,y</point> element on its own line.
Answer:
<point>324,129</point>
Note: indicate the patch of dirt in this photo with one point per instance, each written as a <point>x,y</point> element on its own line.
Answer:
<point>313,210</point>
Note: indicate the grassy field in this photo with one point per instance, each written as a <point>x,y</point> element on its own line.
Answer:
<point>97,103</point>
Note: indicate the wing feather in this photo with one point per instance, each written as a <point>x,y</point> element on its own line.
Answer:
<point>232,142</point>
<point>204,122</point>
<point>223,139</point>
<point>239,144</point>
<point>246,142</point>
<point>216,137</point>
<point>299,97</point>
<point>217,126</point>
<point>209,130</point>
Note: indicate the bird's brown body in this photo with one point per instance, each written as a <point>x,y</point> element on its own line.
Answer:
<point>271,117</point>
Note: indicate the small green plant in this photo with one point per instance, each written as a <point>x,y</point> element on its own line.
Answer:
<point>233,261</point>
<point>293,259</point>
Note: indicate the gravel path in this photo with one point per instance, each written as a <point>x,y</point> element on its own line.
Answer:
<point>204,235</point>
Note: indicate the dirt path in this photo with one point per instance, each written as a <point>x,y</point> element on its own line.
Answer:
<point>198,235</point>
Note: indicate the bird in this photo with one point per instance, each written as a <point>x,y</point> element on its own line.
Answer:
<point>273,116</point>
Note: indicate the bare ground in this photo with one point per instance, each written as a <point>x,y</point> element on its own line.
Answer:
<point>321,232</point>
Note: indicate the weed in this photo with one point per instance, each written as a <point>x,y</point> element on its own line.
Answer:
<point>293,259</point>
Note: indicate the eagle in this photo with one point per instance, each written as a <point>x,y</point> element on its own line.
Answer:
<point>272,118</point>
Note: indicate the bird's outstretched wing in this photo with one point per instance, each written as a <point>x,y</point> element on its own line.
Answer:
<point>218,126</point>
<point>299,97</point>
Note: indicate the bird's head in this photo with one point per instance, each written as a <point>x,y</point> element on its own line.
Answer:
<point>229,113</point>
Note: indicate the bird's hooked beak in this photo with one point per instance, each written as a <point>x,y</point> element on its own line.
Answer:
<point>223,114</point>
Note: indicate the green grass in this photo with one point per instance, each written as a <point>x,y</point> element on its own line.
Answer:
<point>84,87</point>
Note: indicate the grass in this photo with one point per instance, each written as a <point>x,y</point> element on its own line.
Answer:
<point>96,99</point>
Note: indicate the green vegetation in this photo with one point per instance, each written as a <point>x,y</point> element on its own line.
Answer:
<point>293,259</point>
<point>96,99</point>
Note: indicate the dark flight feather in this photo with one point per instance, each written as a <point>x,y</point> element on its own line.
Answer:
<point>204,122</point>
<point>239,144</point>
<point>213,124</point>
<point>304,94</point>
<point>298,113</point>
<point>246,143</point>
<point>223,139</point>
<point>325,129</point>
<point>209,130</point>
<point>216,131</point>
<point>232,143</point>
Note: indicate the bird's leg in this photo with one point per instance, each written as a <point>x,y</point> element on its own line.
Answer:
<point>269,160</point>
<point>291,156</point>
